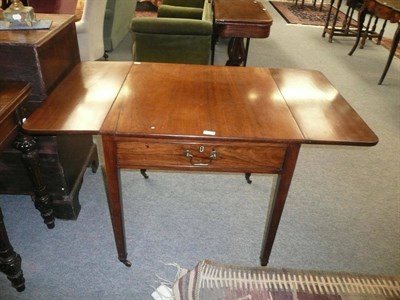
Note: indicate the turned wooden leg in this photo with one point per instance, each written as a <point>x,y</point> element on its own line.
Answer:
<point>10,261</point>
<point>328,18</point>
<point>236,52</point>
<point>30,156</point>
<point>335,18</point>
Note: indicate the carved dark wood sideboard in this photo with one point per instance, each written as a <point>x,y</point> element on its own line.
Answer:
<point>43,58</point>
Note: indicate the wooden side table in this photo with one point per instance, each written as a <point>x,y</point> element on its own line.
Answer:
<point>245,120</point>
<point>237,20</point>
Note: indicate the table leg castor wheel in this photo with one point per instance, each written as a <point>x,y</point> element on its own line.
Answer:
<point>126,262</point>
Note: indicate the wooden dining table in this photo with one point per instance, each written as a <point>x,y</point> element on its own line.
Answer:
<point>200,118</point>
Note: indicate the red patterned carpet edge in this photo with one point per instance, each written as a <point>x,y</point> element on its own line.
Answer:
<point>308,15</point>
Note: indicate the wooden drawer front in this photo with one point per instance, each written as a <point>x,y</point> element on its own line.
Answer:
<point>228,157</point>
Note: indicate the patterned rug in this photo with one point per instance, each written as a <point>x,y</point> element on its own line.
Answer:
<point>214,281</point>
<point>308,15</point>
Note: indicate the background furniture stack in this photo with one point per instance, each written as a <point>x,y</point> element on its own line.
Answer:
<point>88,13</point>
<point>43,58</point>
<point>13,96</point>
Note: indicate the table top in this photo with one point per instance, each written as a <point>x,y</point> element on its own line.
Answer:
<point>36,37</point>
<point>394,4</point>
<point>384,9</point>
<point>242,18</point>
<point>240,11</point>
<point>200,102</point>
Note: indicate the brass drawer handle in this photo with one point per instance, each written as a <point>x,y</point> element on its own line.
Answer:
<point>213,155</point>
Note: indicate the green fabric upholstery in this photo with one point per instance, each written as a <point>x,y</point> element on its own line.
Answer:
<point>171,26</point>
<point>170,11</point>
<point>187,3</point>
<point>174,39</point>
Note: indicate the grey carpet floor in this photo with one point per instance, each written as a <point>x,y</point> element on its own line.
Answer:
<point>342,212</point>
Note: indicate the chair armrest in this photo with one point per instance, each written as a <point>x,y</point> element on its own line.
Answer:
<point>81,26</point>
<point>170,11</point>
<point>187,3</point>
<point>171,26</point>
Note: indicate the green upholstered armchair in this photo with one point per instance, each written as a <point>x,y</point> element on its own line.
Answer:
<point>179,34</point>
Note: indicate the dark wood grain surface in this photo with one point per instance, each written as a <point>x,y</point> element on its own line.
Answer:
<point>41,57</point>
<point>82,101</point>
<point>161,100</point>
<point>320,111</point>
<point>189,101</point>
<point>37,37</point>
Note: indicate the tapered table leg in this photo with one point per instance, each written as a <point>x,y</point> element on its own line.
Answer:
<point>10,261</point>
<point>114,198</point>
<point>30,156</point>
<point>278,202</point>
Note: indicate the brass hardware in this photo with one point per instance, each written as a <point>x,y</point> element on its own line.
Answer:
<point>213,155</point>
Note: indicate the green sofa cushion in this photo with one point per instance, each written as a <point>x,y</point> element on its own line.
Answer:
<point>178,35</point>
<point>187,3</point>
<point>170,11</point>
<point>171,26</point>
<point>185,49</point>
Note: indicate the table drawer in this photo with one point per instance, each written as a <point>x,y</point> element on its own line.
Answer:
<point>211,156</point>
